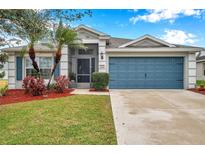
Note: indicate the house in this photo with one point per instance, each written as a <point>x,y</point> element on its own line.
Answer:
<point>146,62</point>
<point>200,66</point>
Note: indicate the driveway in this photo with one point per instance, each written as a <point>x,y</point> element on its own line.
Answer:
<point>158,116</point>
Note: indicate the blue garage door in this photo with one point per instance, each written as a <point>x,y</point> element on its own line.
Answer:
<point>146,72</point>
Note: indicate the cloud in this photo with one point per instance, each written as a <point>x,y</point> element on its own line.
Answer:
<point>157,15</point>
<point>179,37</point>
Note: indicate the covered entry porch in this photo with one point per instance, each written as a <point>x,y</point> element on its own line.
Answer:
<point>82,63</point>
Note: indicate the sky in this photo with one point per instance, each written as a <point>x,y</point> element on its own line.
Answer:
<point>178,26</point>
<point>185,26</point>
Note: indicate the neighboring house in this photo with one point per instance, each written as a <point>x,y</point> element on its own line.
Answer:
<point>146,62</point>
<point>200,66</point>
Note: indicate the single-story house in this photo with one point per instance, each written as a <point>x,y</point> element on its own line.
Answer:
<point>146,62</point>
<point>200,66</point>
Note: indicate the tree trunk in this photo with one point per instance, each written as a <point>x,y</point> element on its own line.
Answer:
<point>32,56</point>
<point>57,60</point>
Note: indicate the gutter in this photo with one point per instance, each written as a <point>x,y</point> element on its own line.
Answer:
<point>120,50</point>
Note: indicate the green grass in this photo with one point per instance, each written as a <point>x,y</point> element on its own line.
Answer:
<point>78,119</point>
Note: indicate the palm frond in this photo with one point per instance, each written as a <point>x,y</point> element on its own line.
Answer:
<point>23,51</point>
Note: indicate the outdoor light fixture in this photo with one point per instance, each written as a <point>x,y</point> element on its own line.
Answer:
<point>101,55</point>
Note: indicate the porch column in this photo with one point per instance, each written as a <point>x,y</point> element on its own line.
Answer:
<point>64,62</point>
<point>11,72</point>
<point>101,56</point>
<point>191,70</point>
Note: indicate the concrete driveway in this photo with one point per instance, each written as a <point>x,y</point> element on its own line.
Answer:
<point>158,116</point>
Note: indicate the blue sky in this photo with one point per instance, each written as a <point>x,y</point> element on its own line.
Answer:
<point>175,26</point>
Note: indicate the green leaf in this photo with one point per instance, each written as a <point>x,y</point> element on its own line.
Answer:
<point>23,51</point>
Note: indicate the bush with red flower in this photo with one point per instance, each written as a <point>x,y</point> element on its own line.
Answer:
<point>34,85</point>
<point>61,83</point>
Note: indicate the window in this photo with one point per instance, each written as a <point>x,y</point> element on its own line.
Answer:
<point>44,64</point>
<point>72,51</point>
<point>85,52</point>
<point>29,67</point>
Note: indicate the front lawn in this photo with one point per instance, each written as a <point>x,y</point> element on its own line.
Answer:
<point>78,119</point>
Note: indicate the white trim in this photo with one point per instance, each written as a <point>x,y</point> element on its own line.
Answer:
<point>162,49</point>
<point>147,37</point>
<point>89,41</point>
<point>91,30</point>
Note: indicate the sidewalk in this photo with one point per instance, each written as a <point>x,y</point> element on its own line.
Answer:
<point>87,92</point>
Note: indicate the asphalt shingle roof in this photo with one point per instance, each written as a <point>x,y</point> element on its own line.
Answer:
<point>115,42</point>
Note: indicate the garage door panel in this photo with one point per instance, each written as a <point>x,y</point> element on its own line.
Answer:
<point>143,72</point>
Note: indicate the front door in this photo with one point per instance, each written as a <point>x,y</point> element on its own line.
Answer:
<point>83,72</point>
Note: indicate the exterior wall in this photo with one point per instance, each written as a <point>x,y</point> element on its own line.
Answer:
<point>191,70</point>
<point>11,71</point>
<point>189,63</point>
<point>102,67</point>
<point>64,62</point>
<point>200,71</point>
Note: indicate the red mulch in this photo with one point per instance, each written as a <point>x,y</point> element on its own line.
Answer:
<point>18,95</point>
<point>200,91</point>
<point>93,89</point>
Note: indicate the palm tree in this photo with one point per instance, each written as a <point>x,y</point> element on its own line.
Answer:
<point>29,25</point>
<point>62,36</point>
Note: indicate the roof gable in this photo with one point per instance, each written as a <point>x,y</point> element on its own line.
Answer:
<point>147,41</point>
<point>84,34</point>
<point>91,30</point>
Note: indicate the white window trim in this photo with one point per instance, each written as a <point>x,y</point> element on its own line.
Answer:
<point>38,62</point>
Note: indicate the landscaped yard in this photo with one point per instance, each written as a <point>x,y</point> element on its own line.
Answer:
<point>77,119</point>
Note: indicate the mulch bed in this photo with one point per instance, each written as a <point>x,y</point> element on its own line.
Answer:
<point>18,95</point>
<point>200,91</point>
<point>94,90</point>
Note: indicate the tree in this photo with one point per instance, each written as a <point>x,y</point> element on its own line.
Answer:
<point>33,26</point>
<point>29,25</point>
<point>3,60</point>
<point>62,36</point>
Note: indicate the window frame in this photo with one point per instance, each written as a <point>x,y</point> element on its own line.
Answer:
<point>38,62</point>
<point>85,51</point>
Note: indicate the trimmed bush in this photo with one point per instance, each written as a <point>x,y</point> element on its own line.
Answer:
<point>34,85</point>
<point>61,83</point>
<point>200,83</point>
<point>100,80</point>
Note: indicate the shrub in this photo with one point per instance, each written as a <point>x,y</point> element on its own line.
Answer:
<point>200,83</point>
<point>25,85</point>
<point>100,80</point>
<point>34,85</point>
<point>61,83</point>
<point>3,90</point>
